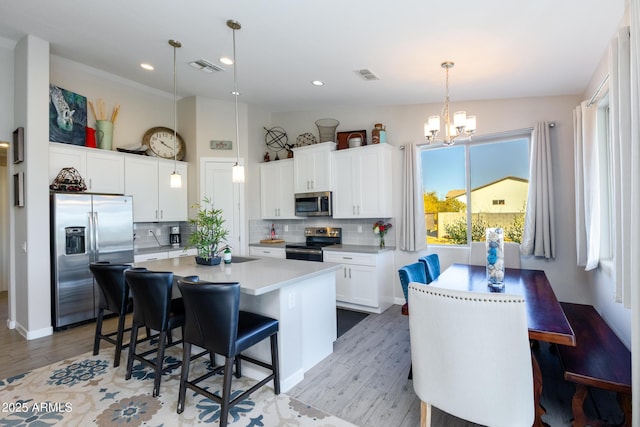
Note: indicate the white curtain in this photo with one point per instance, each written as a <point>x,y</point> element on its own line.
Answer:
<point>539,236</point>
<point>623,165</point>
<point>413,232</point>
<point>587,191</point>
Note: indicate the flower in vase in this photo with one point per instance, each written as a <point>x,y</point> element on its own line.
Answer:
<point>380,228</point>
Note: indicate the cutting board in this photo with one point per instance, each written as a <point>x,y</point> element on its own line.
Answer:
<point>272,241</point>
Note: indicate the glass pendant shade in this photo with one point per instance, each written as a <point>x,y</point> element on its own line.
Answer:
<point>176,180</point>
<point>237,173</point>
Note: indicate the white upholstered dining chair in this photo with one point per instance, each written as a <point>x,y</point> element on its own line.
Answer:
<point>478,254</point>
<point>471,356</point>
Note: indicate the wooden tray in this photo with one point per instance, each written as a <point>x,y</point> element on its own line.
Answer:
<point>272,241</point>
<point>343,138</point>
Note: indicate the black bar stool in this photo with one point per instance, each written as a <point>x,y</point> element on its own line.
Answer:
<point>213,321</point>
<point>114,297</point>
<point>153,308</point>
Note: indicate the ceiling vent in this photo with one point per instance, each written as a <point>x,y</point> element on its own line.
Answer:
<point>367,74</point>
<point>206,66</point>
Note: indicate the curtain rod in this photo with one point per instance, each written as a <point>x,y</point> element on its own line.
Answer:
<point>597,92</point>
<point>504,134</point>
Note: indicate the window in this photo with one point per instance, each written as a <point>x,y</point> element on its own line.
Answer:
<point>469,187</point>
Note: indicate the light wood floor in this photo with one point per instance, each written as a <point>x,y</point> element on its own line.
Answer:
<point>364,381</point>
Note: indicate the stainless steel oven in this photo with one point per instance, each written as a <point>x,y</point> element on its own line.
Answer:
<point>315,239</point>
<point>313,204</point>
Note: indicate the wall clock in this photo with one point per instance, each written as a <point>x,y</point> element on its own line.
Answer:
<point>159,141</point>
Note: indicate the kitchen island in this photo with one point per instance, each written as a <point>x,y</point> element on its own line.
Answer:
<point>300,294</point>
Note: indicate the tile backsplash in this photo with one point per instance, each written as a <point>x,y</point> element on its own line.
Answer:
<point>159,235</point>
<point>354,231</point>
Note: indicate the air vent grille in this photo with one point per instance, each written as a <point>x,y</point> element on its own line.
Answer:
<point>367,74</point>
<point>206,66</point>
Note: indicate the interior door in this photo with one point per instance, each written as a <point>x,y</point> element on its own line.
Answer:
<point>217,185</point>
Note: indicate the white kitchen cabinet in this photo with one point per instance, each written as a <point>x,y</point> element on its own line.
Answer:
<point>276,190</point>
<point>365,280</point>
<point>173,203</point>
<point>147,180</point>
<point>102,170</point>
<point>312,167</point>
<point>267,252</point>
<point>362,182</point>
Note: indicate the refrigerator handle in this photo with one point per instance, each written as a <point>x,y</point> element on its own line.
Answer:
<point>96,246</point>
<point>90,245</point>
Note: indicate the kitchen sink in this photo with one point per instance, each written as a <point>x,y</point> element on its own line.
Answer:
<point>239,259</point>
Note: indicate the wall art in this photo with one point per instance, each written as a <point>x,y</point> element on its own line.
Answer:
<point>67,116</point>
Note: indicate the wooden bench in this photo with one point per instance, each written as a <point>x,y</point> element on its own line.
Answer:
<point>599,359</point>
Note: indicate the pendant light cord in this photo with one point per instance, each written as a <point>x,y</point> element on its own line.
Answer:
<point>235,93</point>
<point>175,111</point>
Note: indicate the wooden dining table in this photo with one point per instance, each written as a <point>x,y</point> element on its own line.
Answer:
<point>545,318</point>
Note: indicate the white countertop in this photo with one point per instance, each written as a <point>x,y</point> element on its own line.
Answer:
<point>256,277</point>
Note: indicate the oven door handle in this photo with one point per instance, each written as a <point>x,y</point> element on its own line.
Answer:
<point>304,251</point>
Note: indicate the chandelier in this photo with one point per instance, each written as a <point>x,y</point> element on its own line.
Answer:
<point>462,126</point>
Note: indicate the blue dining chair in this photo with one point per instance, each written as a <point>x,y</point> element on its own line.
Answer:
<point>411,273</point>
<point>431,265</point>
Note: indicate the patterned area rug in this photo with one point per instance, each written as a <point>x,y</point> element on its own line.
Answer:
<point>87,390</point>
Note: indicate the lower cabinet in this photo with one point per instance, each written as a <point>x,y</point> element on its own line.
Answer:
<point>267,252</point>
<point>365,281</point>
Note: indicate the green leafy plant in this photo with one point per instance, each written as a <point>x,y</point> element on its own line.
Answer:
<point>209,233</point>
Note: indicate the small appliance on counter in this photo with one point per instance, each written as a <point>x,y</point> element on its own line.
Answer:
<point>316,238</point>
<point>174,236</point>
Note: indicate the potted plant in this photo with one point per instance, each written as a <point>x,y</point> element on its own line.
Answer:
<point>209,233</point>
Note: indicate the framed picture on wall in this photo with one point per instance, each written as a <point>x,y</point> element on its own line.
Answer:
<point>18,145</point>
<point>18,189</point>
<point>67,116</point>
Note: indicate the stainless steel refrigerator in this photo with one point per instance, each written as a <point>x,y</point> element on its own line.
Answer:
<point>85,228</point>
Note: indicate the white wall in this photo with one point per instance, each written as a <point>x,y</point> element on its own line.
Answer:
<point>6,128</point>
<point>141,107</point>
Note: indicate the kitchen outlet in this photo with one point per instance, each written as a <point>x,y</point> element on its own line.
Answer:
<point>286,228</point>
<point>359,229</point>
<point>158,231</point>
<point>150,233</point>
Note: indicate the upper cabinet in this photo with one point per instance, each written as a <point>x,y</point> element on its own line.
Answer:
<point>312,167</point>
<point>102,170</point>
<point>148,181</point>
<point>362,182</point>
<point>276,190</point>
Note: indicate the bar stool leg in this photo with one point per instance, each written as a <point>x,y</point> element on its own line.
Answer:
<point>226,391</point>
<point>184,375</point>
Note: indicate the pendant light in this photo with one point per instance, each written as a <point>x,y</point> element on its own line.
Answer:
<point>237,170</point>
<point>176,179</point>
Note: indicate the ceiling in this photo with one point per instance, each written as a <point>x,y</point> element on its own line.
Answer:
<point>501,48</point>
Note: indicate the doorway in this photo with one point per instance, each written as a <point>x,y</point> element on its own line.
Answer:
<point>217,185</point>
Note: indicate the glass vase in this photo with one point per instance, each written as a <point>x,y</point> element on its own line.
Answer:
<point>495,258</point>
<point>381,241</point>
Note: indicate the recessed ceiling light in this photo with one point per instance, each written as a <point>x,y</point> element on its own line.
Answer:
<point>226,61</point>
<point>317,83</point>
<point>146,66</point>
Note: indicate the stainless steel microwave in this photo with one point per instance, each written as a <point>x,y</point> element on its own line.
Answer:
<point>313,204</point>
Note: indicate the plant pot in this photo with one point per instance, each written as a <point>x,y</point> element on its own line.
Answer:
<point>211,261</point>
